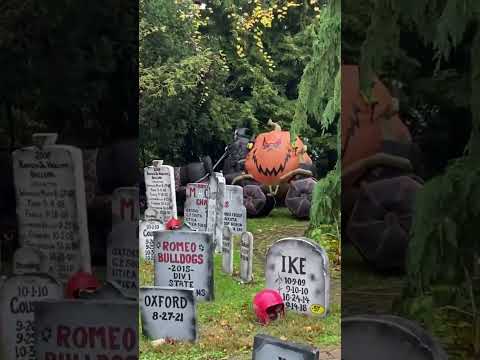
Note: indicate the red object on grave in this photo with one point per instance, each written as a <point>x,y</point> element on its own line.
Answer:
<point>268,306</point>
<point>173,224</point>
<point>81,281</point>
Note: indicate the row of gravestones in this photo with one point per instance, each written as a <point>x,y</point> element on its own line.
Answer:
<point>37,322</point>
<point>183,260</point>
<point>209,207</point>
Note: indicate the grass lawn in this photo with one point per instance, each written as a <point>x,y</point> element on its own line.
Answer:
<point>227,325</point>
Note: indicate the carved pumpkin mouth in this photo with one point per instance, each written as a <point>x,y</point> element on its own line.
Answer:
<point>272,171</point>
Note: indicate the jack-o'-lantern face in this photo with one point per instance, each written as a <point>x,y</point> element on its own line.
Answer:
<point>273,156</point>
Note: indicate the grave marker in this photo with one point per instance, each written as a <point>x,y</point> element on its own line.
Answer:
<point>17,328</point>
<point>147,243</point>
<point>87,330</point>
<point>122,257</point>
<point>298,269</point>
<point>227,250</point>
<point>184,259</point>
<point>51,204</point>
<point>196,205</point>
<point>125,205</point>
<point>160,187</point>
<point>28,260</point>
<point>235,213</point>
<point>168,312</point>
<point>219,212</point>
<point>270,348</point>
<point>246,257</point>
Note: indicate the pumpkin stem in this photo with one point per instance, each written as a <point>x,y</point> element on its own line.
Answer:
<point>274,125</point>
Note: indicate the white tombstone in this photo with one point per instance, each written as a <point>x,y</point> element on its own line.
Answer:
<point>28,260</point>
<point>87,329</point>
<point>51,204</point>
<point>298,268</point>
<point>227,250</point>
<point>160,187</point>
<point>196,206</point>
<point>147,243</point>
<point>17,323</point>
<point>125,205</point>
<point>235,213</point>
<point>246,257</point>
<point>219,212</point>
<point>184,259</point>
<point>168,312</point>
<point>122,257</point>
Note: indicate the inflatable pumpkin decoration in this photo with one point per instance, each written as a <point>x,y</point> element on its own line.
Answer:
<point>273,158</point>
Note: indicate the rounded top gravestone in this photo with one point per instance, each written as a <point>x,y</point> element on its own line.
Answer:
<point>299,269</point>
<point>387,337</point>
<point>28,260</point>
<point>17,298</point>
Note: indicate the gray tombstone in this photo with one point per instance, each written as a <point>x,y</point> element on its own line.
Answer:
<point>270,348</point>
<point>298,269</point>
<point>235,213</point>
<point>227,250</point>
<point>184,259</point>
<point>125,205</point>
<point>83,329</point>
<point>168,313</point>
<point>160,187</point>
<point>219,212</point>
<point>28,260</point>
<point>147,242</point>
<point>246,257</point>
<point>122,257</point>
<point>386,337</point>
<point>17,328</point>
<point>51,204</point>
<point>196,206</point>
<point>212,204</point>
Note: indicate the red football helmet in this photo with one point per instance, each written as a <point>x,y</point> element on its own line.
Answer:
<point>268,306</point>
<point>173,224</point>
<point>79,282</point>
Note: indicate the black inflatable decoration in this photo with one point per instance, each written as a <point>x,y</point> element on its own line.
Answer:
<point>387,337</point>
<point>254,200</point>
<point>299,197</point>
<point>380,222</point>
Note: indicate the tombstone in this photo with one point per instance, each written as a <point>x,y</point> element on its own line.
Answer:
<point>298,269</point>
<point>151,215</point>
<point>235,213</point>
<point>227,250</point>
<point>387,337</point>
<point>17,328</point>
<point>160,188</point>
<point>184,259</point>
<point>168,313</point>
<point>246,257</point>
<point>125,205</point>
<point>196,206</point>
<point>212,204</point>
<point>147,243</point>
<point>122,258</point>
<point>51,204</point>
<point>219,211</point>
<point>84,329</point>
<point>28,260</point>
<point>270,348</point>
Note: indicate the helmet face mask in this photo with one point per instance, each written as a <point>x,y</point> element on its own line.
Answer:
<point>268,306</point>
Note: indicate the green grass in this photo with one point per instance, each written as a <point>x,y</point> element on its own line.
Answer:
<point>227,325</point>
